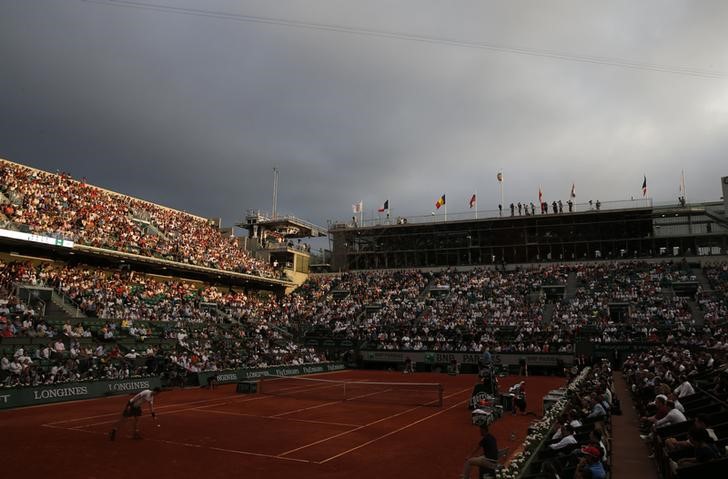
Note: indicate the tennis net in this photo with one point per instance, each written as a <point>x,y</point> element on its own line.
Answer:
<point>409,394</point>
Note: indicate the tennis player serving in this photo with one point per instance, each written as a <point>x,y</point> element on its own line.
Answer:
<point>133,409</point>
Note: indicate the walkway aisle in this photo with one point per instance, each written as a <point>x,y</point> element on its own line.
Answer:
<point>630,456</point>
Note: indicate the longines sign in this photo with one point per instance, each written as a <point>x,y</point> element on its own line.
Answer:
<point>29,396</point>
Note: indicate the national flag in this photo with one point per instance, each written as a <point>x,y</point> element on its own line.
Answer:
<point>499,176</point>
<point>385,207</point>
<point>440,202</point>
<point>644,186</point>
<point>357,207</point>
<point>682,183</point>
<point>573,191</point>
<point>540,195</point>
<point>473,200</point>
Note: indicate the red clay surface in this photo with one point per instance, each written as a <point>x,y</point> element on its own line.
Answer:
<point>223,434</point>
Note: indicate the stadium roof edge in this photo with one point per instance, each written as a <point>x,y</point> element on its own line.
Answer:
<point>660,208</point>
<point>174,264</point>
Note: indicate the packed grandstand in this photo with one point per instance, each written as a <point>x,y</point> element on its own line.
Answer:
<point>100,321</point>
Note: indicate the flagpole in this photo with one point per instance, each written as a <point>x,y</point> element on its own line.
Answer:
<point>476,203</point>
<point>501,189</point>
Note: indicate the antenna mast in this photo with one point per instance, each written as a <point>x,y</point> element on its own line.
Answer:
<point>275,193</point>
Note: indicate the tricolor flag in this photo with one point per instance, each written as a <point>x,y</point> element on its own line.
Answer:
<point>573,191</point>
<point>440,202</point>
<point>473,200</point>
<point>357,207</point>
<point>540,196</point>
<point>385,207</point>
<point>644,186</point>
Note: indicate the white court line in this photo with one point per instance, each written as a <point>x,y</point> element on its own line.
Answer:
<point>307,408</point>
<point>195,446</point>
<point>386,391</point>
<point>329,403</point>
<point>279,456</point>
<point>169,413</point>
<point>69,429</point>
<point>261,455</point>
<point>278,418</point>
<point>338,401</point>
<point>458,404</point>
<point>236,398</point>
<point>117,413</point>
<point>161,407</point>
<point>367,425</point>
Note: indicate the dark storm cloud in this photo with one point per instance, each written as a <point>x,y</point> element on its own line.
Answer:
<point>193,112</point>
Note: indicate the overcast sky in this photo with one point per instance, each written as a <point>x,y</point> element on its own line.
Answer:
<point>192,104</point>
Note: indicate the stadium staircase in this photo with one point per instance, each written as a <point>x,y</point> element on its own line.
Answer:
<point>426,290</point>
<point>283,331</point>
<point>61,306</point>
<point>145,221</point>
<point>571,285</point>
<point>698,315</point>
<point>424,294</point>
<point>3,199</point>
<point>14,198</point>
<point>47,301</point>
<point>220,315</point>
<point>548,312</point>
<point>286,337</point>
<point>702,280</point>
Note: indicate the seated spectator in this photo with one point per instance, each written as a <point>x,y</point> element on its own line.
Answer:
<point>703,450</point>
<point>590,467</point>
<point>567,440</point>
<point>685,388</point>
<point>673,416</point>
<point>661,410</point>
<point>597,409</point>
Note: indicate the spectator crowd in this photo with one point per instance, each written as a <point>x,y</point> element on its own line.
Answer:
<point>217,328</point>
<point>58,205</point>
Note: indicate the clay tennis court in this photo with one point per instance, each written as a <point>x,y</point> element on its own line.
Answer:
<point>222,433</point>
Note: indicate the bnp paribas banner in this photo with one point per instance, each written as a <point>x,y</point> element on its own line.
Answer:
<point>235,375</point>
<point>32,395</point>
